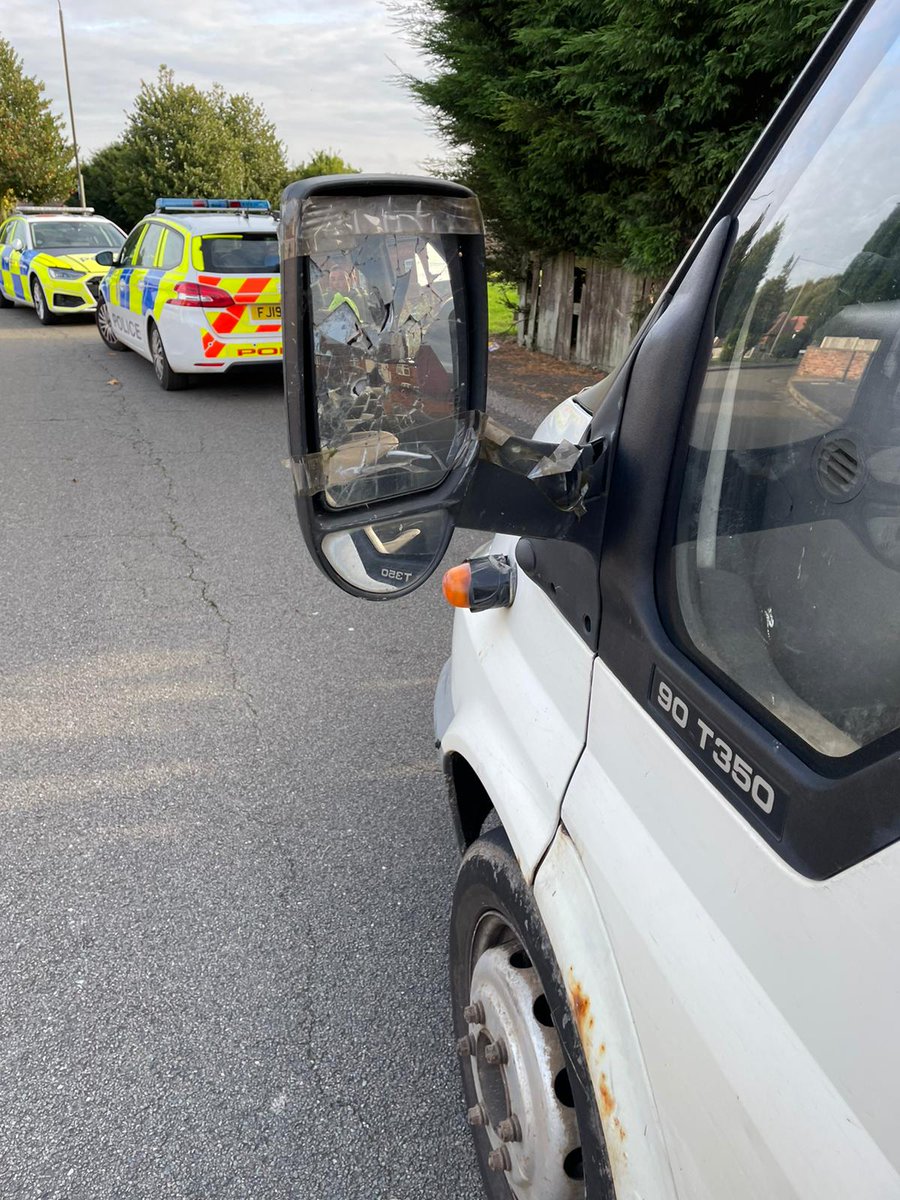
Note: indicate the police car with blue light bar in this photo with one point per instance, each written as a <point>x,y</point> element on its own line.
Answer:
<point>48,259</point>
<point>196,289</point>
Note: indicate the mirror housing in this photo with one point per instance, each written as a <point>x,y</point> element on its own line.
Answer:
<point>384,304</point>
<point>107,258</point>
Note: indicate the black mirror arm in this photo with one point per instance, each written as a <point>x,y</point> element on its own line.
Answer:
<point>534,489</point>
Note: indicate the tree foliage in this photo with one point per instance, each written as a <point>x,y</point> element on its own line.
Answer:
<point>36,160</point>
<point>322,162</point>
<point>608,127</point>
<point>182,141</point>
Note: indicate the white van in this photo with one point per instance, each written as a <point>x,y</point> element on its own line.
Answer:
<point>670,719</point>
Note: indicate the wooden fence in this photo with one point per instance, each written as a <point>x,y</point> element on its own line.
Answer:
<point>580,310</point>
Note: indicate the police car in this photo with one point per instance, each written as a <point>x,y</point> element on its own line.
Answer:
<point>196,289</point>
<point>48,259</point>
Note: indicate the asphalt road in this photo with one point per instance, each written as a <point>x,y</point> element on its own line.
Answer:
<point>226,860</point>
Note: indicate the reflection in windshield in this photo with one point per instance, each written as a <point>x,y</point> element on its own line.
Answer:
<point>385,322</point>
<point>75,235</point>
<point>787,560</point>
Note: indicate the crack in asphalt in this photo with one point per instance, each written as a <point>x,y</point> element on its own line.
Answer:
<point>143,446</point>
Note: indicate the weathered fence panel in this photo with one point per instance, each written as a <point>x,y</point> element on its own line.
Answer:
<point>609,299</point>
<point>595,329</point>
<point>554,320</point>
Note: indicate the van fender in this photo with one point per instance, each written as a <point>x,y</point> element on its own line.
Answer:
<point>631,1126</point>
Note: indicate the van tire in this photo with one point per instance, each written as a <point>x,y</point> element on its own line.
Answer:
<point>497,930</point>
<point>168,380</point>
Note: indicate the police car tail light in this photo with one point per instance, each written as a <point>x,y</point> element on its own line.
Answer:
<point>201,295</point>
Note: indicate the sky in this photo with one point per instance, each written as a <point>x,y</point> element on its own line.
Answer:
<point>838,176</point>
<point>325,70</point>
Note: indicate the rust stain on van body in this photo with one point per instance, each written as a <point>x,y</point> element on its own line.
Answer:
<point>595,1053</point>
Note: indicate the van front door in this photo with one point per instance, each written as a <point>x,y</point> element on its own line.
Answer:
<point>737,809</point>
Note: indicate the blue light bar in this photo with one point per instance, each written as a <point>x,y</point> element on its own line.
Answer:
<point>196,204</point>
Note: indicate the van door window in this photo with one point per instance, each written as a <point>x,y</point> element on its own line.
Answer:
<point>787,556</point>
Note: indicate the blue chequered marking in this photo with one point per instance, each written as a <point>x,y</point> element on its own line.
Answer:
<point>25,260</point>
<point>123,286</point>
<point>150,289</point>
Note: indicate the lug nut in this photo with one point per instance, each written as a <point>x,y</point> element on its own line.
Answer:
<point>495,1053</point>
<point>465,1047</point>
<point>499,1160</point>
<point>509,1130</point>
<point>477,1115</point>
<point>474,1013</point>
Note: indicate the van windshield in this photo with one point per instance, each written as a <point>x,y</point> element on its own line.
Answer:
<point>241,253</point>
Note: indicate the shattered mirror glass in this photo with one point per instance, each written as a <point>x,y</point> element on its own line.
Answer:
<point>388,340</point>
<point>388,556</point>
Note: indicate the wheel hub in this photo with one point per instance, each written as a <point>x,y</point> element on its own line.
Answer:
<point>521,1081</point>
<point>104,323</point>
<point>157,351</point>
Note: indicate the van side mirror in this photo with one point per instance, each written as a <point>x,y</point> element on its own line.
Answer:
<point>107,258</point>
<point>385,346</point>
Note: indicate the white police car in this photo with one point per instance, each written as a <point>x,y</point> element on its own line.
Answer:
<point>196,289</point>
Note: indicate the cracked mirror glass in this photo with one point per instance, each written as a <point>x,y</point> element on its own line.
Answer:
<point>388,328</point>
<point>388,556</point>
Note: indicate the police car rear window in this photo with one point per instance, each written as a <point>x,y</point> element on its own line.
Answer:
<point>241,253</point>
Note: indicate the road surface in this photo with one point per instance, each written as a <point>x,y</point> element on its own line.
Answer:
<point>226,859</point>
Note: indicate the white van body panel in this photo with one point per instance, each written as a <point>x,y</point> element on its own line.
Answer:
<point>765,1003</point>
<point>567,422</point>
<point>520,682</point>
<point>637,1152</point>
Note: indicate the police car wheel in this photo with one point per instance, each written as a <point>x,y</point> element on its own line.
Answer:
<point>168,380</point>
<point>41,307</point>
<point>103,319</point>
<point>5,302</point>
<point>528,1095</point>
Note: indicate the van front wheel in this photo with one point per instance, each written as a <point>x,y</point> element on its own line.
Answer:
<point>528,1093</point>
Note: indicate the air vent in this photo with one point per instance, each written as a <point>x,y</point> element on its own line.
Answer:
<point>840,469</point>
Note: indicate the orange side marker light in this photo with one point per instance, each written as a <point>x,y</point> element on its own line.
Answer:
<point>456,584</point>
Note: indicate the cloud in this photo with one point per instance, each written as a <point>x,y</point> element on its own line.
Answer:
<point>326,73</point>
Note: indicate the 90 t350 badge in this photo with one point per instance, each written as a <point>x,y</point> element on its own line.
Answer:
<point>719,758</point>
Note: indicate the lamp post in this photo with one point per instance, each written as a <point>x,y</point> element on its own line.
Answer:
<point>62,32</point>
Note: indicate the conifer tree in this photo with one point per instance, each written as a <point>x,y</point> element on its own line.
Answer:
<point>608,127</point>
